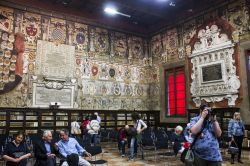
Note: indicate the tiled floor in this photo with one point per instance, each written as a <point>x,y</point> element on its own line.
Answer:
<point>114,159</point>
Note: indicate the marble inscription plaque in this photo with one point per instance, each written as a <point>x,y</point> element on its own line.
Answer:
<point>43,96</point>
<point>211,73</point>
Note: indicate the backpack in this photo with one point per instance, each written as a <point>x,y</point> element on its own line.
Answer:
<point>132,131</point>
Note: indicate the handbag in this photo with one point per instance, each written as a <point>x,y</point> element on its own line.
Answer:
<point>76,130</point>
<point>189,157</point>
<point>233,149</point>
<point>132,132</point>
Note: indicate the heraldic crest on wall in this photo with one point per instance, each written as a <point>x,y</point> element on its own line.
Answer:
<point>213,67</point>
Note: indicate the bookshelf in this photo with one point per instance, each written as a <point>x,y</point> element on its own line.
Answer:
<point>34,120</point>
<point>3,120</point>
<point>31,122</point>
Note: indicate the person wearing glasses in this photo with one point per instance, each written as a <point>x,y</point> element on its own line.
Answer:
<point>206,129</point>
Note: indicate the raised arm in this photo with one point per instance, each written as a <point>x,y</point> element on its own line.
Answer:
<point>198,125</point>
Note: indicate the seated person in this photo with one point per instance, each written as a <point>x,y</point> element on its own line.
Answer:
<point>122,139</point>
<point>16,152</point>
<point>71,150</point>
<point>178,140</point>
<point>45,151</point>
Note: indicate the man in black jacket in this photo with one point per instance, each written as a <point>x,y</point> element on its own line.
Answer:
<point>45,151</point>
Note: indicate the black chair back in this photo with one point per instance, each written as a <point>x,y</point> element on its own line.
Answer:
<point>94,150</point>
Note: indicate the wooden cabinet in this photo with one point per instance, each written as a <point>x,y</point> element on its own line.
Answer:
<point>34,120</point>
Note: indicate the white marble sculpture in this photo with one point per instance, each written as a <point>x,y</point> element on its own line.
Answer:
<point>214,49</point>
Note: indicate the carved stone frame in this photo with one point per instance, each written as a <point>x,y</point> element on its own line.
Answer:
<point>219,51</point>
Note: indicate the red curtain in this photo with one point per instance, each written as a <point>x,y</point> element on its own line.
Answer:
<point>176,92</point>
<point>171,95</point>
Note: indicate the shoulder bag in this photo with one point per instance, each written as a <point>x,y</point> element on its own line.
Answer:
<point>187,156</point>
<point>233,149</point>
<point>76,130</point>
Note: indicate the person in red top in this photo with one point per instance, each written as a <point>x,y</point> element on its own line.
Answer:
<point>83,126</point>
<point>122,139</point>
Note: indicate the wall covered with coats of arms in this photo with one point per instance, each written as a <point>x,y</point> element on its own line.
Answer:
<point>113,70</point>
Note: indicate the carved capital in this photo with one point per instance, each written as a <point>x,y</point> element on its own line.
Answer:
<point>231,99</point>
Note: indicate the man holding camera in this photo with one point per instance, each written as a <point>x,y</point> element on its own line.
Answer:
<point>206,128</point>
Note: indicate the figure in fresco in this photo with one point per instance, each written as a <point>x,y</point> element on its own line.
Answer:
<point>11,57</point>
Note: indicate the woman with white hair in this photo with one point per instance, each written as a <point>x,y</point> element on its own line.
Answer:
<point>236,130</point>
<point>178,140</point>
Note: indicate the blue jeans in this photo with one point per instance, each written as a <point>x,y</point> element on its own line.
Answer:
<point>93,139</point>
<point>133,147</point>
<point>122,146</point>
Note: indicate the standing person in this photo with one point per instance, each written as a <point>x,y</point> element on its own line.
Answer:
<point>83,127</point>
<point>71,150</point>
<point>139,125</point>
<point>16,152</point>
<point>236,130</point>
<point>45,152</point>
<point>75,128</point>
<point>206,129</point>
<point>93,128</point>
<point>98,118</point>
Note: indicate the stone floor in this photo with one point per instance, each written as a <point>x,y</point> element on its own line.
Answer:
<point>114,159</point>
<point>111,154</point>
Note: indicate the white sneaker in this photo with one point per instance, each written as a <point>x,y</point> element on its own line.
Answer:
<point>131,159</point>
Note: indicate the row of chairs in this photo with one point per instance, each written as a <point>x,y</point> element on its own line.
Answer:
<point>158,141</point>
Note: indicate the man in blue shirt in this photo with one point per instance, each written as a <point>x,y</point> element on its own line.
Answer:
<point>68,146</point>
<point>206,147</point>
